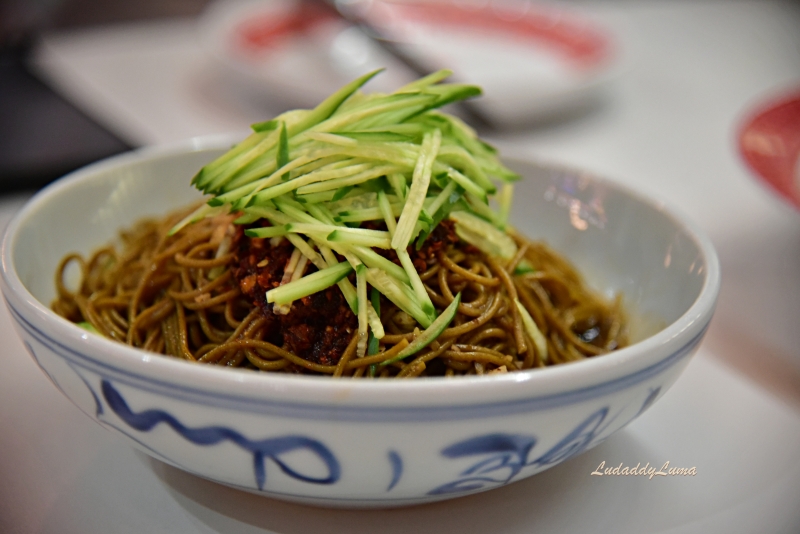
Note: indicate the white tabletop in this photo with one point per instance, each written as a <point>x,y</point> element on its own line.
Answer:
<point>667,129</point>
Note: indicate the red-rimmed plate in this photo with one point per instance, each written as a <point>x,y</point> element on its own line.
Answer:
<point>532,61</point>
<point>769,141</point>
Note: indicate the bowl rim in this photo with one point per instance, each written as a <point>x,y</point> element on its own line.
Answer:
<point>668,343</point>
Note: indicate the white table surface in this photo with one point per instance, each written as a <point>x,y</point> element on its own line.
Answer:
<point>667,129</point>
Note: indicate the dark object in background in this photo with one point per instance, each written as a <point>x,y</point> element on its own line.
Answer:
<point>42,136</point>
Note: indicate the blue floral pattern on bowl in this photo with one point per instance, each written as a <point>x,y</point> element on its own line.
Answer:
<point>270,448</point>
<point>508,454</point>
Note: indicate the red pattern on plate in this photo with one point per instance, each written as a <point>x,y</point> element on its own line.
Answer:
<point>576,40</point>
<point>262,32</point>
<point>769,141</point>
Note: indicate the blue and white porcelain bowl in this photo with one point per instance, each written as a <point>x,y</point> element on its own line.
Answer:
<point>365,443</point>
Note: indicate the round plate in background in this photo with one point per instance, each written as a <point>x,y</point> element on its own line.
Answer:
<point>533,62</point>
<point>769,142</point>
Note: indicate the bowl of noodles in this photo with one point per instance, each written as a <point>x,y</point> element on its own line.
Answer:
<point>287,345</point>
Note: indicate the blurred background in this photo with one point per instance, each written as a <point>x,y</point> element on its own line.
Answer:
<point>84,79</point>
<point>693,103</point>
<point>42,134</point>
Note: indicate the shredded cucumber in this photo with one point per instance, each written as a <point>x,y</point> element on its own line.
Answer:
<point>364,159</point>
<point>308,285</point>
<point>89,327</point>
<point>363,306</point>
<point>483,235</point>
<point>393,290</point>
<point>420,180</point>
<point>532,330</point>
<point>432,332</point>
<point>268,231</point>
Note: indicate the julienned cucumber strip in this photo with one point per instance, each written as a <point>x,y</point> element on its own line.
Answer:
<point>453,201</point>
<point>416,283</point>
<point>377,333</point>
<point>309,284</point>
<point>358,178</point>
<point>202,212</point>
<point>386,211</point>
<point>321,213</point>
<point>319,176</point>
<point>247,218</point>
<point>398,183</point>
<point>316,198</point>
<point>359,199</point>
<point>431,333</point>
<point>344,284</point>
<point>483,235</point>
<point>462,180</point>
<point>378,136</point>
<point>457,156</point>
<point>202,177</point>
<point>426,81</point>
<point>358,239</point>
<point>420,180</point>
<point>301,245</point>
<point>505,200</point>
<point>480,208</point>
<point>267,231</point>
<point>328,106</point>
<point>375,322</point>
<point>314,165</point>
<point>89,327</point>
<point>363,306</point>
<point>325,109</point>
<point>228,171</point>
<point>373,260</point>
<point>357,118</point>
<point>394,291</point>
<point>532,330</point>
<point>340,193</point>
<point>265,173</point>
<point>283,150</point>
<point>453,93</point>
<point>327,228</point>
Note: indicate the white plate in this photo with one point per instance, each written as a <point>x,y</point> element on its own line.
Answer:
<point>533,61</point>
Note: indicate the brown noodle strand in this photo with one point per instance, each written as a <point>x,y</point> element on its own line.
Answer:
<point>348,353</point>
<point>177,295</point>
<point>532,357</point>
<point>366,361</point>
<point>182,334</point>
<point>487,333</point>
<point>523,249</point>
<point>229,314</point>
<point>468,275</point>
<point>419,362</point>
<point>207,288</point>
<point>213,333</point>
<point>505,278</point>
<point>467,327</point>
<point>265,365</point>
<point>415,368</point>
<point>184,261</point>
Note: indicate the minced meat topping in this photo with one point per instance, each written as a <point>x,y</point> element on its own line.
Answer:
<point>320,326</point>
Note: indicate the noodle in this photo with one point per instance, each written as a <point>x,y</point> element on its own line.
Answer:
<point>179,296</point>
